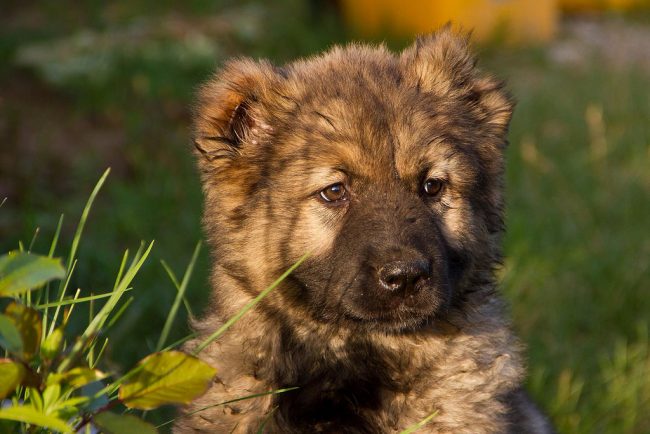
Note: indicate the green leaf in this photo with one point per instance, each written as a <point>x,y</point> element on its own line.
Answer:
<point>10,335</point>
<point>52,344</point>
<point>111,423</point>
<point>20,272</point>
<point>11,375</point>
<point>76,377</point>
<point>163,378</point>
<point>32,416</point>
<point>35,398</point>
<point>51,395</point>
<point>29,325</point>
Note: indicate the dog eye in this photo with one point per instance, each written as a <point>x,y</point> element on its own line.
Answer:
<point>433,187</point>
<point>334,193</point>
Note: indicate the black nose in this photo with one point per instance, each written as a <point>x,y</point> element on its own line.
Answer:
<point>403,275</point>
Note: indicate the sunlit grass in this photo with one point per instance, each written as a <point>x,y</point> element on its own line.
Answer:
<point>577,247</point>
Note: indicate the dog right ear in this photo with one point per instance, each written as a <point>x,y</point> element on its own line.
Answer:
<point>229,111</point>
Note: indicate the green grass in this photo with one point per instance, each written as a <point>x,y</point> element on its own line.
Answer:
<point>577,271</point>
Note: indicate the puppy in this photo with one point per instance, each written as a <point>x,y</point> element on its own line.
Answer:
<point>388,170</point>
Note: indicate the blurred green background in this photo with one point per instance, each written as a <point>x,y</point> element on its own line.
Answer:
<point>89,84</point>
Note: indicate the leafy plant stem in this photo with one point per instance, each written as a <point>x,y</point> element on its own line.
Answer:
<point>89,417</point>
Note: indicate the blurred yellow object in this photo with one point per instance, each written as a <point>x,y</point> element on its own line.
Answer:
<point>513,20</point>
<point>596,5</point>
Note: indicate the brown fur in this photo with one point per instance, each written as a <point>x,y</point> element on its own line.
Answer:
<point>364,359</point>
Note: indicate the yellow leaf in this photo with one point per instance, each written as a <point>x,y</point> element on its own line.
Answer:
<point>76,377</point>
<point>11,375</point>
<point>29,325</point>
<point>169,377</point>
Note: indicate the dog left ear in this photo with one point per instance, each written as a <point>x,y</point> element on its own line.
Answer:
<point>442,63</point>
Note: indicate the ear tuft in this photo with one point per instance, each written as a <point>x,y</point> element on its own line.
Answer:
<point>495,103</point>
<point>227,111</point>
<point>439,61</point>
<point>442,63</point>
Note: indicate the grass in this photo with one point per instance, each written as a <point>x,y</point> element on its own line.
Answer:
<point>577,270</point>
<point>577,245</point>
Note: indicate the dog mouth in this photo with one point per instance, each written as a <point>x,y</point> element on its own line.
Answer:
<point>398,320</point>
<point>398,311</point>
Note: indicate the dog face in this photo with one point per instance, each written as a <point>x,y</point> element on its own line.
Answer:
<point>386,168</point>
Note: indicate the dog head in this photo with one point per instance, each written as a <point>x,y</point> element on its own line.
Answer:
<point>386,168</point>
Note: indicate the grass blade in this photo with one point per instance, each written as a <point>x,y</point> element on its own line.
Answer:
<point>179,342</point>
<point>174,280</point>
<point>101,317</point>
<point>248,306</point>
<point>31,243</point>
<point>77,300</point>
<point>50,254</point>
<point>99,355</point>
<point>179,296</point>
<point>82,224</point>
<point>69,312</point>
<point>55,239</point>
<point>119,312</point>
<point>61,295</point>
<point>243,398</point>
<point>268,417</point>
<point>422,423</point>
